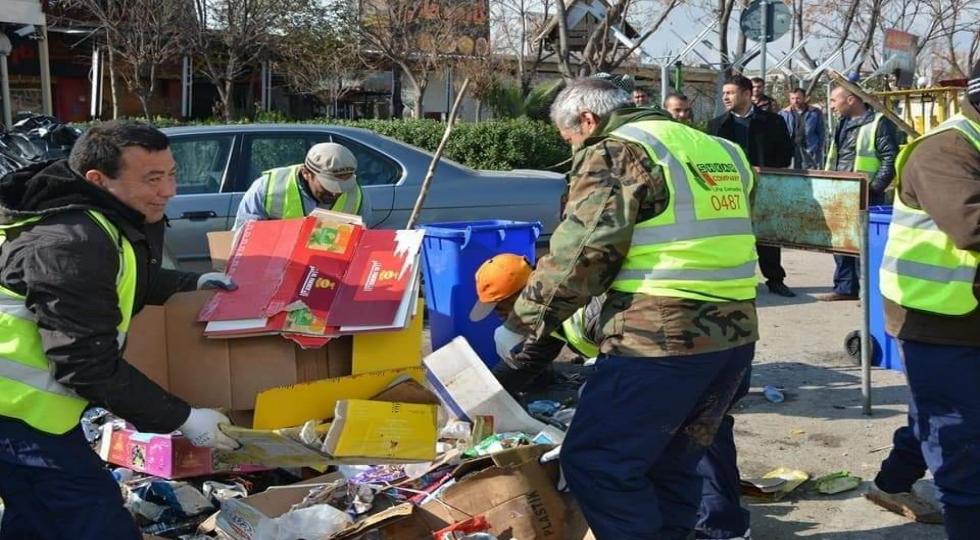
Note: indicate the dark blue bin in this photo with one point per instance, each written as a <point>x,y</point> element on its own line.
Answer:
<point>451,254</point>
<point>884,346</point>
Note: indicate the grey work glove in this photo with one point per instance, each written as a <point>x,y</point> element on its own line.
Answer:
<point>215,280</point>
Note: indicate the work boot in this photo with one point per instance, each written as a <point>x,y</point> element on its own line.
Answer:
<point>835,297</point>
<point>780,288</point>
<point>907,504</point>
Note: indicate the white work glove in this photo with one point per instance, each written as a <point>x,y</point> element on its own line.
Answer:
<point>505,340</point>
<point>202,429</point>
<point>215,280</point>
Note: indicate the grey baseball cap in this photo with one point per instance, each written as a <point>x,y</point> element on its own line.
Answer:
<point>328,161</point>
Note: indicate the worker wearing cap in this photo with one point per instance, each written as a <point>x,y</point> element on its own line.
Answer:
<point>326,179</point>
<point>499,283</point>
<point>930,278</point>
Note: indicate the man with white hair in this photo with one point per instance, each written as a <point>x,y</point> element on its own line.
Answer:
<point>658,220</point>
<point>325,179</point>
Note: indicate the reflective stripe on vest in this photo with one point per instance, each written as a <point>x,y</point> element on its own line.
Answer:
<point>702,245</point>
<point>574,334</point>
<point>865,155</point>
<point>28,391</point>
<point>922,268</point>
<point>284,201</point>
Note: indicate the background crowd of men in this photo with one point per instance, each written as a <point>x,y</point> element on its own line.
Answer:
<point>864,141</point>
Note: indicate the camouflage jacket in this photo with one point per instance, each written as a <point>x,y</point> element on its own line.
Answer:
<point>615,185</point>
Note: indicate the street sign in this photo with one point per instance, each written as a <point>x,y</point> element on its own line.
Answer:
<point>902,46</point>
<point>778,21</point>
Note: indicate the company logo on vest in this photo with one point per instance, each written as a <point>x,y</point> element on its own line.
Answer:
<point>711,175</point>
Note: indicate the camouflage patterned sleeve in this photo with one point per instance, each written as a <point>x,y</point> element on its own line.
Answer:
<point>587,249</point>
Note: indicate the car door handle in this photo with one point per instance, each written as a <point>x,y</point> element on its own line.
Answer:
<point>199,216</point>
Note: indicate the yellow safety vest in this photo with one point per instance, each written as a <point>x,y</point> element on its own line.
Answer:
<point>573,333</point>
<point>283,199</point>
<point>28,391</point>
<point>702,246</point>
<point>865,156</point>
<point>922,268</point>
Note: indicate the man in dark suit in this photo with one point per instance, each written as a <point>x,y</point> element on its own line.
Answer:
<point>766,142</point>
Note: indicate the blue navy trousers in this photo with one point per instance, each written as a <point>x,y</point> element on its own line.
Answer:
<point>943,432</point>
<point>641,427</point>
<point>721,514</point>
<point>847,275</point>
<point>56,487</point>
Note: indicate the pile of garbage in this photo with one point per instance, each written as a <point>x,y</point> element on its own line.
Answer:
<point>34,139</point>
<point>446,455</point>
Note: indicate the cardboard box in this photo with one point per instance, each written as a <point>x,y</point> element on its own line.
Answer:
<point>511,489</point>
<point>167,456</point>
<point>219,244</point>
<point>167,344</point>
<point>241,519</point>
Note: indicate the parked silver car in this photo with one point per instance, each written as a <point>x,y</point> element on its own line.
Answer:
<point>216,164</point>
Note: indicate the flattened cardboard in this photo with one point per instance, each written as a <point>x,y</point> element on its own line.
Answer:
<point>293,405</point>
<point>167,344</point>
<point>407,391</point>
<point>377,351</point>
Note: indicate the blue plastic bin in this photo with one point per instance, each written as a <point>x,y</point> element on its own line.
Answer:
<point>884,346</point>
<point>451,253</point>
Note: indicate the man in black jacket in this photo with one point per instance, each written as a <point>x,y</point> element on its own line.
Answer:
<point>80,252</point>
<point>866,142</point>
<point>766,142</point>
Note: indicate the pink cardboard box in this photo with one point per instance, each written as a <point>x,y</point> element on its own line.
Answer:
<point>167,456</point>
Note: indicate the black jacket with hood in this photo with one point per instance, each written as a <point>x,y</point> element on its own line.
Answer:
<point>886,147</point>
<point>66,266</point>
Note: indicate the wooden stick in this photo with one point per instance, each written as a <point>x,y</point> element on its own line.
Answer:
<point>438,155</point>
<point>873,101</point>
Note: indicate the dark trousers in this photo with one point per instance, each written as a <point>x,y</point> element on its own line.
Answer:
<point>56,487</point>
<point>721,514</point>
<point>770,262</point>
<point>943,434</point>
<point>847,275</point>
<point>642,425</point>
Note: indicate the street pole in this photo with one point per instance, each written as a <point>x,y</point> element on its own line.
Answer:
<point>765,36</point>
<point>5,82</point>
<point>867,349</point>
<point>45,60</point>
<point>664,85</point>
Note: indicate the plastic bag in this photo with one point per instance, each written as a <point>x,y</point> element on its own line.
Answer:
<point>314,522</point>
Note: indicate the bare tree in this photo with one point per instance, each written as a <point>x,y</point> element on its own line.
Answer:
<point>419,38</point>
<point>318,55</point>
<point>230,36</point>
<point>140,36</point>
<point>516,24</point>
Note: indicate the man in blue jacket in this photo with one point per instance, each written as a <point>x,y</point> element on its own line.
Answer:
<point>807,129</point>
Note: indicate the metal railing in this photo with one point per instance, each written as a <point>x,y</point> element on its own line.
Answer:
<point>923,108</point>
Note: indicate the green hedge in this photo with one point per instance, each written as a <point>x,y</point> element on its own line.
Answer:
<point>495,144</point>
<point>498,144</point>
